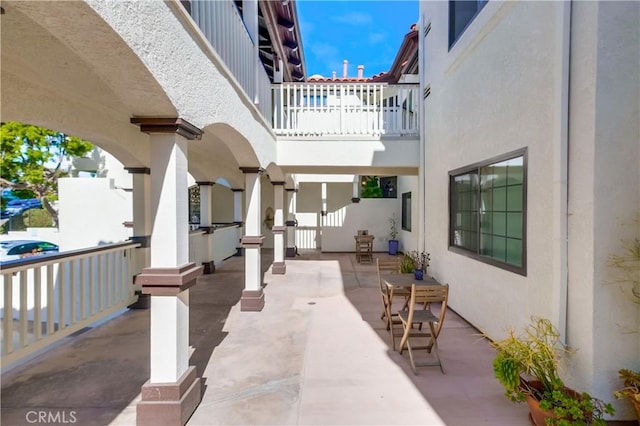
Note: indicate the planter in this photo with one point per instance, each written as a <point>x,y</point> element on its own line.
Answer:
<point>636,405</point>
<point>418,274</point>
<point>537,414</point>
<point>393,247</point>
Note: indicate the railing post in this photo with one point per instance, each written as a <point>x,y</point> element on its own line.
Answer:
<point>7,324</point>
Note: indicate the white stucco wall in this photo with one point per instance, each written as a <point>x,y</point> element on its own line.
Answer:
<point>408,239</point>
<point>500,88</point>
<point>192,67</point>
<point>92,212</point>
<point>604,192</point>
<point>222,207</point>
<point>394,154</point>
<point>477,111</point>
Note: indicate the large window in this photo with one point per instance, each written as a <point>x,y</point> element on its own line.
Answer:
<point>488,211</point>
<point>461,13</point>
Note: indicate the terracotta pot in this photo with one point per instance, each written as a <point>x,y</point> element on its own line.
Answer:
<point>538,415</point>
<point>636,405</point>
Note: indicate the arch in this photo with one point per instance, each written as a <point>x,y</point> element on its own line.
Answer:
<point>55,76</point>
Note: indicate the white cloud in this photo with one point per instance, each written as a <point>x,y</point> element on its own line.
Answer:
<point>353,18</point>
<point>375,38</point>
<point>307,27</point>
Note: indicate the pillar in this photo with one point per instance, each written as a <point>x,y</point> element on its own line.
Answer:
<point>141,200</point>
<point>173,390</point>
<point>237,217</point>
<point>205,203</point>
<point>323,212</point>
<point>278,267</point>
<point>252,296</point>
<point>291,222</point>
<point>356,190</point>
<point>206,223</point>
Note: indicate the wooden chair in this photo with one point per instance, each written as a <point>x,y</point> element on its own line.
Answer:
<point>420,313</point>
<point>364,248</point>
<point>389,266</point>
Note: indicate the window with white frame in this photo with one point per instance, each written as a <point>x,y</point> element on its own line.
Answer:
<point>488,211</point>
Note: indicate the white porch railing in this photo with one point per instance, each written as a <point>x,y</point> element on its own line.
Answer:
<point>216,246</point>
<point>307,237</point>
<point>224,28</point>
<point>361,109</point>
<point>46,298</point>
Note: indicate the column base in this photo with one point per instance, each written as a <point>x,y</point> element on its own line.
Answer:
<point>143,302</point>
<point>252,300</point>
<point>209,267</point>
<point>291,252</point>
<point>279,268</point>
<point>169,403</point>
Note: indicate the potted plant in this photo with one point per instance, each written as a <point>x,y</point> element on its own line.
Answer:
<point>631,389</point>
<point>393,234</point>
<point>406,264</point>
<point>421,261</point>
<point>527,366</point>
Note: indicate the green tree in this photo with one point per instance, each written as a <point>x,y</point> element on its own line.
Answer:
<point>371,187</point>
<point>31,159</point>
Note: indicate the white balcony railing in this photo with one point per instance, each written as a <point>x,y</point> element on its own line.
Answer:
<point>216,246</point>
<point>46,298</point>
<point>224,28</point>
<point>373,109</point>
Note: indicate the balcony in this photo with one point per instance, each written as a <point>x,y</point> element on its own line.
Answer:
<point>353,109</point>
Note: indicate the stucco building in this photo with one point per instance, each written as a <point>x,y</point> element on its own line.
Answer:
<point>512,129</point>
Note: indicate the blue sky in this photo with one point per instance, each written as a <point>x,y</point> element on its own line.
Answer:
<point>363,32</point>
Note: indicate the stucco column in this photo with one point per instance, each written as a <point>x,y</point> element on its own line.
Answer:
<point>252,296</point>
<point>141,213</point>
<point>356,190</point>
<point>279,267</point>
<point>291,222</point>
<point>173,391</point>
<point>206,195</point>
<point>237,216</point>
<point>205,203</point>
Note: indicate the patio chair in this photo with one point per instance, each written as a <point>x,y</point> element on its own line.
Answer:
<point>391,266</point>
<point>364,248</point>
<point>420,313</point>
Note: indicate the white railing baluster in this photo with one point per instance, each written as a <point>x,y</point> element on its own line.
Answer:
<point>23,310</point>
<point>281,125</point>
<point>50,301</point>
<point>111,273</point>
<point>100,306</point>
<point>72,292</point>
<point>7,315</point>
<point>83,295</point>
<point>37,303</point>
<point>61,292</point>
<point>92,286</point>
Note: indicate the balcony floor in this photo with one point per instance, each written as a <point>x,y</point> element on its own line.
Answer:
<point>317,354</point>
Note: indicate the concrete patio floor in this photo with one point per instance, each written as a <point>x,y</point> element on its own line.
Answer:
<point>317,354</point>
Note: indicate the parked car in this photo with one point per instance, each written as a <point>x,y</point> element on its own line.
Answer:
<point>18,206</point>
<point>17,249</point>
